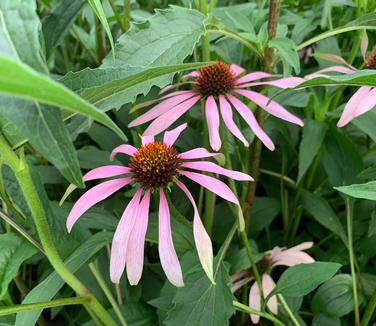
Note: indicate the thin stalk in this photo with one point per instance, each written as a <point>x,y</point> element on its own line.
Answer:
<point>349,210</point>
<point>205,39</point>
<point>22,173</point>
<point>243,308</point>
<point>369,311</point>
<point>288,310</point>
<point>117,15</point>
<point>43,305</point>
<point>226,244</point>
<point>127,14</point>
<point>102,284</point>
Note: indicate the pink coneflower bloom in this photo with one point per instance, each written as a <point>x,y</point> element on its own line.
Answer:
<point>154,167</point>
<point>363,100</point>
<point>219,85</point>
<point>277,257</point>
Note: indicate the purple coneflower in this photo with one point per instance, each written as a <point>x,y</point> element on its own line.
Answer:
<point>277,257</point>
<point>219,85</point>
<point>153,168</point>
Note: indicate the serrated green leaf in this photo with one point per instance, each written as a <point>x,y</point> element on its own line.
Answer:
<point>14,250</point>
<point>363,191</point>
<point>48,288</point>
<point>286,49</point>
<point>301,279</point>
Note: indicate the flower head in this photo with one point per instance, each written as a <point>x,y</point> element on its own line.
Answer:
<point>153,168</point>
<point>277,257</point>
<point>219,85</point>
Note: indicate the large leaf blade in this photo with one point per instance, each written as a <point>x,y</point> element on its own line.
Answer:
<point>363,191</point>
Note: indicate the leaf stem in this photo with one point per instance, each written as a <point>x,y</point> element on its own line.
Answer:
<point>349,211</point>
<point>127,14</point>
<point>205,39</point>
<point>288,310</point>
<point>21,170</point>
<point>369,310</point>
<point>117,16</point>
<point>42,305</point>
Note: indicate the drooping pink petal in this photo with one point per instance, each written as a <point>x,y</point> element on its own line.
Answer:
<point>105,172</point>
<point>267,287</point>
<point>202,239</point>
<point>255,301</point>
<point>196,153</point>
<point>273,107</point>
<point>236,70</point>
<point>292,258</point>
<point>212,167</point>
<point>121,238</point>
<point>170,137</point>
<point>146,140</point>
<point>252,76</point>
<point>288,82</point>
<point>212,118</point>
<point>352,104</point>
<point>239,284</point>
<point>367,104</point>
<point>167,88</point>
<point>166,120</point>
<point>125,149</point>
<point>226,112</point>
<point>161,108</point>
<point>302,246</point>
<point>191,74</point>
<point>136,243</point>
<point>248,116</point>
<point>94,196</point>
<point>212,184</point>
<point>167,254</point>
<point>341,69</point>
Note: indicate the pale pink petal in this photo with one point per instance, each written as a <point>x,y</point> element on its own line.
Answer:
<point>252,76</point>
<point>248,116</point>
<point>302,246</point>
<point>292,258</point>
<point>167,88</point>
<point>170,137</point>
<point>191,74</point>
<point>146,140</point>
<point>341,69</point>
<point>136,243</point>
<point>125,149</point>
<point>197,153</point>
<point>202,239</point>
<point>212,167</point>
<point>105,172</point>
<point>255,301</point>
<point>226,112</point>
<point>212,118</point>
<point>267,287</point>
<point>212,184</point>
<point>94,196</point>
<point>167,254</point>
<point>121,237</point>
<point>273,107</point>
<point>288,82</point>
<point>364,44</point>
<point>352,105</point>
<point>162,108</point>
<point>166,120</point>
<point>367,104</point>
<point>236,70</point>
<point>239,284</point>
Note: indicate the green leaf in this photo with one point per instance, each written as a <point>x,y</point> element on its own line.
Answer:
<point>201,303</point>
<point>364,190</point>
<point>165,39</point>
<point>264,211</point>
<point>56,25</point>
<point>96,5</point>
<point>321,211</point>
<point>365,22</point>
<point>313,136</point>
<point>335,297</point>
<point>19,80</point>
<point>22,22</point>
<point>366,123</point>
<point>47,289</point>
<point>302,279</point>
<point>14,250</point>
<point>286,49</point>
<point>323,320</point>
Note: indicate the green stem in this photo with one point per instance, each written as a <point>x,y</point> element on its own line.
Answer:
<point>21,170</point>
<point>369,311</point>
<point>205,39</point>
<point>127,14</point>
<point>349,209</point>
<point>102,284</point>
<point>226,244</point>
<point>243,308</point>
<point>288,310</point>
<point>117,16</point>
<point>43,305</point>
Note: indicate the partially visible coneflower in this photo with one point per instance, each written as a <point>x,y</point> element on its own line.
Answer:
<point>277,257</point>
<point>154,167</point>
<point>219,85</point>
